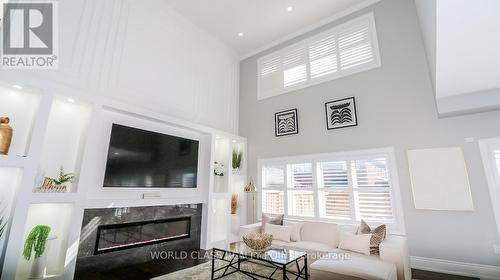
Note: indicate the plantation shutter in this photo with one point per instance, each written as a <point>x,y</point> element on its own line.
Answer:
<point>355,46</point>
<point>301,195</point>
<point>372,190</point>
<point>343,50</point>
<point>295,66</point>
<point>270,74</point>
<point>323,56</point>
<point>273,195</point>
<point>334,193</point>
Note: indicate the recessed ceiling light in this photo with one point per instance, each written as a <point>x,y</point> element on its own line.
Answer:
<point>217,137</point>
<point>71,100</point>
<point>17,86</point>
<point>290,8</point>
<point>241,34</point>
<point>234,141</point>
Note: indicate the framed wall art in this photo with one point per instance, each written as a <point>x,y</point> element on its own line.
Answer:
<point>286,123</point>
<point>341,113</point>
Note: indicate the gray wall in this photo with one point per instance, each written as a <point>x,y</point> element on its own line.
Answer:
<point>396,107</point>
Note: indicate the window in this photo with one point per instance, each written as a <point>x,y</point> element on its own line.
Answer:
<point>343,50</point>
<point>490,152</point>
<point>344,187</point>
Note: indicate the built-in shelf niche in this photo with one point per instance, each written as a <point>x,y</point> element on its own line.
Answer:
<point>64,140</point>
<point>58,217</point>
<point>21,106</point>
<point>222,155</point>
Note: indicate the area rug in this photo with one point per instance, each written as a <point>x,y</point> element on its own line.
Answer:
<point>204,271</point>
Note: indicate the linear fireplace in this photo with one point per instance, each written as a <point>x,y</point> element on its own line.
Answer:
<point>114,237</point>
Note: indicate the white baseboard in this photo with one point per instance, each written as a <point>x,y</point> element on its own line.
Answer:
<point>484,272</point>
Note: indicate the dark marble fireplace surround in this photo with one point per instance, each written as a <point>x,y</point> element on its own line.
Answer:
<point>87,260</point>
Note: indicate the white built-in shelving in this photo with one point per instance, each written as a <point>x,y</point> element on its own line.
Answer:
<point>51,131</point>
<point>48,133</point>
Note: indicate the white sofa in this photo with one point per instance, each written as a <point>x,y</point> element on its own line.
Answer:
<point>321,239</point>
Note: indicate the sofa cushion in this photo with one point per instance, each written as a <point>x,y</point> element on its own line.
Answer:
<point>279,232</point>
<point>296,228</point>
<point>322,232</point>
<point>355,265</point>
<point>359,243</point>
<point>266,219</point>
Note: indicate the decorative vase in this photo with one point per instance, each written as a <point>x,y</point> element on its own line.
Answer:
<point>39,266</point>
<point>236,171</point>
<point>5,135</point>
<point>235,224</point>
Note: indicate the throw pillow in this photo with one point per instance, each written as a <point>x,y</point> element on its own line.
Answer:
<point>296,227</point>
<point>378,235</point>
<point>359,243</point>
<point>279,232</point>
<point>266,219</point>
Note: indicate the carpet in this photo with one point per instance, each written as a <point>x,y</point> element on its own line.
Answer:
<point>204,271</point>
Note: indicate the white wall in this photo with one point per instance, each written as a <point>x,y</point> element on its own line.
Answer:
<point>141,53</point>
<point>396,107</point>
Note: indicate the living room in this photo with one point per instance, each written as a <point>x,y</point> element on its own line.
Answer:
<point>286,139</point>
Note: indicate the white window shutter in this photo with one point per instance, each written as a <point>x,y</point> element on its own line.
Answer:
<point>274,176</point>
<point>346,49</point>
<point>372,190</point>
<point>355,46</point>
<point>273,202</point>
<point>323,56</point>
<point>295,65</point>
<point>273,193</point>
<point>335,197</point>
<point>301,175</point>
<point>270,74</point>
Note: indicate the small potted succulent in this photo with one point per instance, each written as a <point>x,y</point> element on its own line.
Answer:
<point>59,184</point>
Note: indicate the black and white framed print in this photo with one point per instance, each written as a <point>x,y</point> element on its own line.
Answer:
<point>341,113</point>
<point>286,123</point>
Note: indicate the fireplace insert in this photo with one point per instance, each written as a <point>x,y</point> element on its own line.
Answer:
<point>113,237</point>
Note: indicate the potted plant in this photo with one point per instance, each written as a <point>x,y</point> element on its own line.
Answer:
<point>35,245</point>
<point>237,156</point>
<point>59,184</point>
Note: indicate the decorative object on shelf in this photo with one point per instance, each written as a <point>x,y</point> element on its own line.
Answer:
<point>341,113</point>
<point>234,203</point>
<point>236,162</point>
<point>37,242</point>
<point>57,185</point>
<point>250,187</point>
<point>286,123</point>
<point>258,241</point>
<point>5,135</point>
<point>219,169</point>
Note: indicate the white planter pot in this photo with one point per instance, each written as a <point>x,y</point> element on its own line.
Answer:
<point>39,266</point>
<point>235,224</point>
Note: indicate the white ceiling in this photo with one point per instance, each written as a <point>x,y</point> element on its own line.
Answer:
<point>463,44</point>
<point>468,46</point>
<point>263,22</point>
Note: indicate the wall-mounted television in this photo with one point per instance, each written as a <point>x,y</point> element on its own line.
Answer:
<point>144,159</point>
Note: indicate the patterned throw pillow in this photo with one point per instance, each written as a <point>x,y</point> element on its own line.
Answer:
<point>378,235</point>
<point>266,219</point>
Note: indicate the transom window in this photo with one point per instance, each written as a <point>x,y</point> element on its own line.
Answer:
<point>344,187</point>
<point>343,50</point>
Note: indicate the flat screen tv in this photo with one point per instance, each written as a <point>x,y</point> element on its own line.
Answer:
<point>143,159</point>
